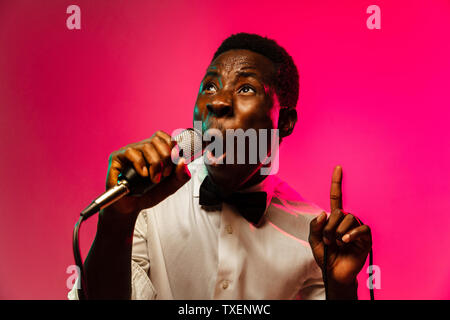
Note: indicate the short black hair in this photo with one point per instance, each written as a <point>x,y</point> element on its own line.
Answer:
<point>287,81</point>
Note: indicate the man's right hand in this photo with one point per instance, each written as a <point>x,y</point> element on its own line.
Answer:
<point>151,158</point>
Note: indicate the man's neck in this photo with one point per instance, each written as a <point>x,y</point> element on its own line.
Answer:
<point>229,184</point>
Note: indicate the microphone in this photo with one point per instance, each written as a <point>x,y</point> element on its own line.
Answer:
<point>189,146</point>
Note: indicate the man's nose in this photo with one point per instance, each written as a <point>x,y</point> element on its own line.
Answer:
<point>220,106</point>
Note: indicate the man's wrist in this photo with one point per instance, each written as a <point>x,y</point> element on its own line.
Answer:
<point>343,291</point>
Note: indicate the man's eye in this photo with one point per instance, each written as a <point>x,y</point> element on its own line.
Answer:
<point>246,89</point>
<point>209,87</point>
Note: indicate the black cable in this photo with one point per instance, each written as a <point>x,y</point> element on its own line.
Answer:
<point>372,294</point>
<point>82,292</point>
<point>325,270</point>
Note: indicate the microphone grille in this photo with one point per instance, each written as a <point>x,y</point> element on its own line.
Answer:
<point>189,143</point>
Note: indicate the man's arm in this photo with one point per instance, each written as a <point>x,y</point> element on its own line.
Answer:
<point>338,291</point>
<point>108,265</point>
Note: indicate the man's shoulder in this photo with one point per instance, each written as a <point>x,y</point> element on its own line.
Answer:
<point>289,200</point>
<point>290,213</point>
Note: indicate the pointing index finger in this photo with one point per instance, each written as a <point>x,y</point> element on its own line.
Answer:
<point>336,189</point>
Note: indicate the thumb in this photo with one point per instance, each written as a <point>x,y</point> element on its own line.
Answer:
<point>316,232</point>
<point>179,177</point>
<point>182,174</point>
<point>167,186</point>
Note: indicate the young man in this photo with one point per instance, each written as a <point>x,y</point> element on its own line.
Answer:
<point>177,243</point>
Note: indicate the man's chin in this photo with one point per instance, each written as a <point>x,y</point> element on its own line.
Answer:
<point>213,161</point>
<point>231,176</point>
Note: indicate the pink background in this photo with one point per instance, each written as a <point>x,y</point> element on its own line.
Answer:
<point>374,101</point>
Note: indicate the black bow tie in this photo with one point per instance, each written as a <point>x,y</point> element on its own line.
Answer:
<point>250,205</point>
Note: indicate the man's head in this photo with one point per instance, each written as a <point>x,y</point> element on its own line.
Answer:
<point>286,81</point>
<point>251,83</point>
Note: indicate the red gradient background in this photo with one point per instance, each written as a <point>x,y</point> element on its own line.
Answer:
<point>374,101</point>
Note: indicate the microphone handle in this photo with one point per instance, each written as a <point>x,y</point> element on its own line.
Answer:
<point>129,182</point>
<point>137,184</point>
<point>189,146</point>
<point>106,199</point>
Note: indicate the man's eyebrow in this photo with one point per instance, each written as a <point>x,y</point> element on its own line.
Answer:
<point>242,73</point>
<point>248,67</point>
<point>211,73</point>
<point>247,74</point>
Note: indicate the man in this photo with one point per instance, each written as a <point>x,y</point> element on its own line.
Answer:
<point>173,243</point>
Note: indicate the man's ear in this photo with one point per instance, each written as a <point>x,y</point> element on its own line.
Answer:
<point>287,121</point>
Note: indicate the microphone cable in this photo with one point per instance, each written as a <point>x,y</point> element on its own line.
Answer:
<point>82,292</point>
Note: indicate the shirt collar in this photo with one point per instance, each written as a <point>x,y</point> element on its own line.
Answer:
<point>199,173</point>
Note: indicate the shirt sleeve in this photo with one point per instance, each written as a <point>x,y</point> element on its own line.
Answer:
<point>313,288</point>
<point>141,286</point>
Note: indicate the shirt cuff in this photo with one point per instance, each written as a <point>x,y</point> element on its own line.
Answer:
<point>141,286</point>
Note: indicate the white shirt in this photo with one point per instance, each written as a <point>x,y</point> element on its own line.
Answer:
<point>182,251</point>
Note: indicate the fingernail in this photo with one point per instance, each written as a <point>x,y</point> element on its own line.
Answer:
<point>321,217</point>
<point>145,171</point>
<point>174,155</point>
<point>158,177</point>
<point>346,238</point>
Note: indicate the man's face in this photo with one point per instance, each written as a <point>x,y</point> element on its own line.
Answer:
<point>237,92</point>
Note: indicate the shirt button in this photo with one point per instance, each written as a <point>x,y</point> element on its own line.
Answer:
<point>229,229</point>
<point>225,284</point>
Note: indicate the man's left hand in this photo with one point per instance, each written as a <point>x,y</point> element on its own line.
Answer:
<point>348,242</point>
